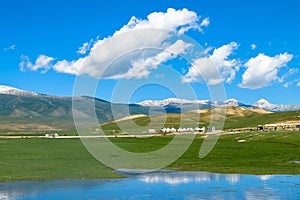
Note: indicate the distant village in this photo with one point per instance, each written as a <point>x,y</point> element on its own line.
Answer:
<point>183,130</point>
<point>211,129</point>
<point>278,127</point>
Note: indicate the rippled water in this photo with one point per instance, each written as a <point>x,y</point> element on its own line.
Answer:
<point>161,185</point>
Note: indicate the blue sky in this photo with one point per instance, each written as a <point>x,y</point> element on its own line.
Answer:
<point>255,45</point>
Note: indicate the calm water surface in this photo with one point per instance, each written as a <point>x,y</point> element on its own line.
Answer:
<point>161,185</point>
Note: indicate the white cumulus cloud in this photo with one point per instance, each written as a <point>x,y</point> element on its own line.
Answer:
<point>69,67</point>
<point>262,70</point>
<point>173,20</point>
<point>141,67</point>
<point>43,62</point>
<point>205,22</point>
<point>253,46</point>
<point>131,39</point>
<point>86,47</point>
<point>215,68</point>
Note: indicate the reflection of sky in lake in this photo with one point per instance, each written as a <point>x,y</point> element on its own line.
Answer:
<point>161,185</point>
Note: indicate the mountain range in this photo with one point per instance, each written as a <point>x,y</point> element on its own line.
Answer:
<point>28,107</point>
<point>170,103</point>
<point>55,111</point>
<point>176,104</point>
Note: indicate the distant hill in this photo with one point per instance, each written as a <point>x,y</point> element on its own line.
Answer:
<point>236,117</point>
<point>27,110</point>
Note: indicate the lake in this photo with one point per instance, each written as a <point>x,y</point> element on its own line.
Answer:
<point>160,185</point>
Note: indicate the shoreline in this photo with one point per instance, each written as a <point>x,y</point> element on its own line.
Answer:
<point>134,175</point>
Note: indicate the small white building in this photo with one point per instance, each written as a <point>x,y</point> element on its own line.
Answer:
<point>190,130</point>
<point>172,130</point>
<point>168,130</point>
<point>197,129</point>
<point>210,129</point>
<point>55,135</point>
<point>151,130</point>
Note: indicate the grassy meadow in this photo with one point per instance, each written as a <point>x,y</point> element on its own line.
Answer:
<point>45,159</point>
<point>236,118</point>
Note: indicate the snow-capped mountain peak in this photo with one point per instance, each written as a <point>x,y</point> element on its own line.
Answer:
<point>15,91</point>
<point>264,104</point>
<point>169,101</point>
<point>231,102</point>
<point>182,103</point>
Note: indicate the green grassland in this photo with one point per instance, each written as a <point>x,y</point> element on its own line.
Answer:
<point>261,153</point>
<point>45,159</point>
<point>255,119</point>
<point>236,118</point>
